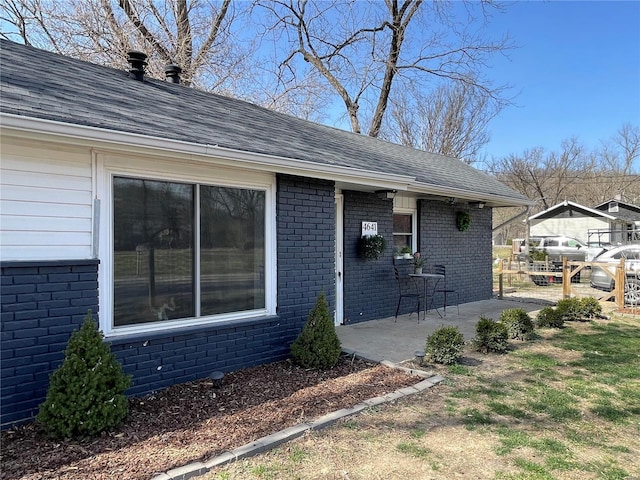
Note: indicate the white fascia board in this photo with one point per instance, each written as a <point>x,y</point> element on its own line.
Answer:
<point>490,199</point>
<point>567,203</point>
<point>124,141</point>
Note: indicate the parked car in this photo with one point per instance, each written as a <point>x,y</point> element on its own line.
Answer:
<point>557,246</point>
<point>601,280</point>
<point>553,248</point>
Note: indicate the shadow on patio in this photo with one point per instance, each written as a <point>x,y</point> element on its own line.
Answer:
<point>385,339</point>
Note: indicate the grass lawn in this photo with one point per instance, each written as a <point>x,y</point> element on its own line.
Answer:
<point>565,405</point>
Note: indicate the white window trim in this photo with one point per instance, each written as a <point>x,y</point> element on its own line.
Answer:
<point>109,165</point>
<point>414,223</point>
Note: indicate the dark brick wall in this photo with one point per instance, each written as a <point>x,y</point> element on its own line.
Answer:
<point>369,288</point>
<point>42,303</point>
<point>467,255</point>
<point>306,246</point>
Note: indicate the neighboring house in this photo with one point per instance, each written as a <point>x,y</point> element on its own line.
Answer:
<point>602,225</point>
<point>199,229</point>
<point>628,230</point>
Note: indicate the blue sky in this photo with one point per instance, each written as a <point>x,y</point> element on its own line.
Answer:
<point>576,73</point>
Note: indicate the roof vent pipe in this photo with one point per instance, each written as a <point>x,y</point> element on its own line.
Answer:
<point>172,73</point>
<point>137,60</point>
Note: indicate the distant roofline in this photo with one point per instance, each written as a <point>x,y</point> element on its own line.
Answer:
<point>567,203</point>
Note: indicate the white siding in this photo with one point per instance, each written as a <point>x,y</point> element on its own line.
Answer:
<point>45,201</point>
<point>576,227</point>
<point>402,202</point>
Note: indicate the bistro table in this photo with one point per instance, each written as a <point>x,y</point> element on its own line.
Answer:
<point>425,278</point>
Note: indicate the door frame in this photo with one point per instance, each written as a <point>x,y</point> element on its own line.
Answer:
<point>338,313</point>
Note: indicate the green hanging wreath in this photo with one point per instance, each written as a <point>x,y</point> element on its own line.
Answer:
<point>372,247</point>
<point>463,220</point>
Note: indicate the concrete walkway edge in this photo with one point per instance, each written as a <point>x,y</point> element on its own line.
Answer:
<point>196,469</point>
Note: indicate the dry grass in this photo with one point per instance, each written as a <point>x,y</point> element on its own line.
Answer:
<point>548,410</point>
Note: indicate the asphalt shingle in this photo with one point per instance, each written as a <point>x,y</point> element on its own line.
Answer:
<point>44,85</point>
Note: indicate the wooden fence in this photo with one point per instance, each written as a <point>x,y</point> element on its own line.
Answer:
<point>568,271</point>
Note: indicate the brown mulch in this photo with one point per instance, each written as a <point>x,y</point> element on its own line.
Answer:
<point>197,421</point>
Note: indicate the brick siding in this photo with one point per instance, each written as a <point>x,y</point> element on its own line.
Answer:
<point>369,285</point>
<point>466,255</point>
<point>41,304</point>
<point>370,289</point>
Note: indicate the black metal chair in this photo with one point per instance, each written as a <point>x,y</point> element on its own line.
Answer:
<point>403,286</point>
<point>442,270</point>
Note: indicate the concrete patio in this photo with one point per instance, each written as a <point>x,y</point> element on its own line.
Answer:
<point>385,339</point>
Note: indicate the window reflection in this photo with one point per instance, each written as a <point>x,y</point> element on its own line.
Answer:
<point>231,249</point>
<point>155,254</point>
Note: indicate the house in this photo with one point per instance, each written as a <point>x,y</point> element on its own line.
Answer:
<point>200,229</point>
<point>611,222</point>
<point>628,228</point>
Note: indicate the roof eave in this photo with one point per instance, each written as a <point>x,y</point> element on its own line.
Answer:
<point>124,140</point>
<point>491,200</point>
<point>119,140</point>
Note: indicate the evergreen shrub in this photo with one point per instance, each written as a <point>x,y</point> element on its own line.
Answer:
<point>491,336</point>
<point>371,247</point>
<point>549,317</point>
<point>590,307</point>
<point>86,392</point>
<point>318,345</point>
<point>518,322</point>
<point>445,346</point>
<point>570,309</point>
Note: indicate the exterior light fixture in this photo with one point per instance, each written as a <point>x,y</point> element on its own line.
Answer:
<point>386,194</point>
<point>477,204</point>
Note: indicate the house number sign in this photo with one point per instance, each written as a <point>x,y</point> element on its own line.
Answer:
<point>369,229</point>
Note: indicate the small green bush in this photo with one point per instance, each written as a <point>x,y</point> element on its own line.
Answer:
<point>445,346</point>
<point>86,393</point>
<point>491,336</point>
<point>590,307</point>
<point>371,247</point>
<point>318,345</point>
<point>570,309</point>
<point>518,322</point>
<point>463,220</point>
<point>549,317</point>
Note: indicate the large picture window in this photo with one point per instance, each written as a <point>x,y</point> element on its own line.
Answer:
<point>183,251</point>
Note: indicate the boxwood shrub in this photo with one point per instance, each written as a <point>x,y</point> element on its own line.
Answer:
<point>549,317</point>
<point>445,346</point>
<point>491,336</point>
<point>518,322</point>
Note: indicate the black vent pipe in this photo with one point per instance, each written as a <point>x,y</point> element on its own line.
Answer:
<point>172,73</point>
<point>137,60</point>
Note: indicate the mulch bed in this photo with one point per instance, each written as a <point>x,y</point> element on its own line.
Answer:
<point>197,421</point>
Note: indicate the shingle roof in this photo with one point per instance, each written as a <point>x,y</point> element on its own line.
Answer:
<point>44,85</point>
<point>627,214</point>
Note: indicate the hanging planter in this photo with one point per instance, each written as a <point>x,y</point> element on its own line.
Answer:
<point>463,220</point>
<point>371,247</point>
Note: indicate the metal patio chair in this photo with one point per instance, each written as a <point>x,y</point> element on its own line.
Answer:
<point>444,289</point>
<point>407,288</point>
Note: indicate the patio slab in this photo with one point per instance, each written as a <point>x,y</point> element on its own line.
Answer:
<point>384,339</point>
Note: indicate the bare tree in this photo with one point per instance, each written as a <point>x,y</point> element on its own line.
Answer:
<point>585,177</point>
<point>361,49</point>
<point>547,177</point>
<point>621,152</point>
<point>451,121</point>
<point>196,34</point>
